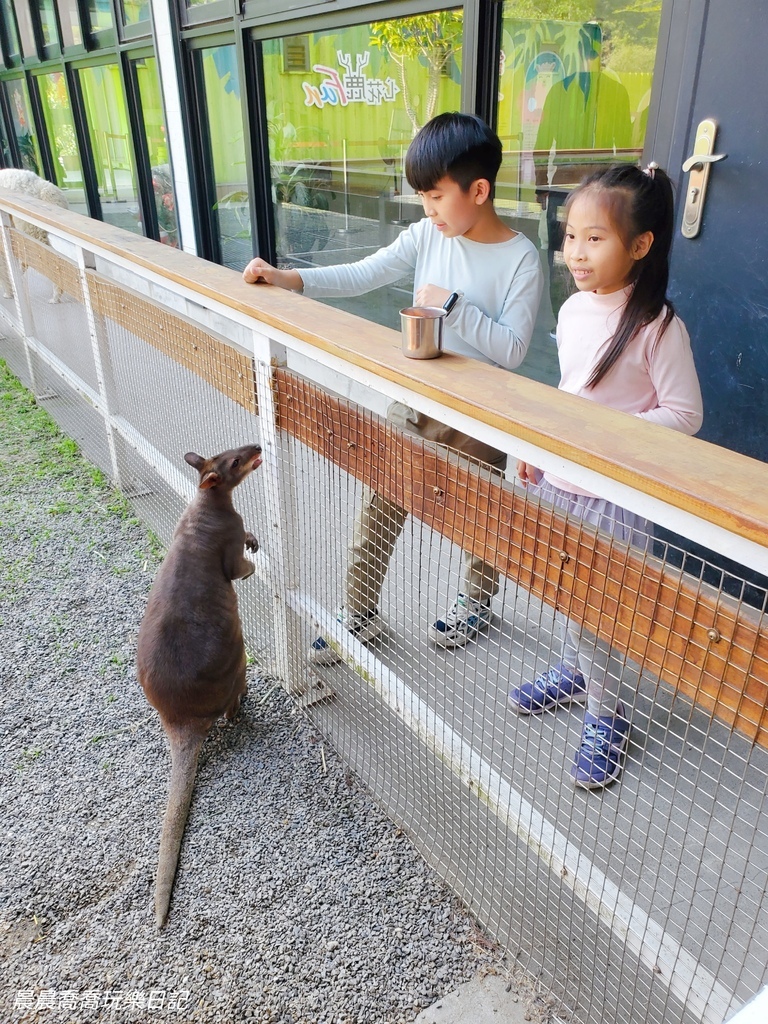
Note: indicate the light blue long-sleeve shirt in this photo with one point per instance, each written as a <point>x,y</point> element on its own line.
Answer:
<point>501,284</point>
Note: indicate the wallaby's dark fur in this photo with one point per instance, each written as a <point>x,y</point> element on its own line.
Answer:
<point>191,657</point>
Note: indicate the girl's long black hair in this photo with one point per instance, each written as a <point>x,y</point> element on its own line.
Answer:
<point>637,201</point>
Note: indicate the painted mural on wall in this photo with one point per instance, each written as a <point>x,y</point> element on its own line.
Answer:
<point>557,94</point>
<point>371,86</point>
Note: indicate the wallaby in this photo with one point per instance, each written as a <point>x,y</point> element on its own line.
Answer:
<point>191,657</point>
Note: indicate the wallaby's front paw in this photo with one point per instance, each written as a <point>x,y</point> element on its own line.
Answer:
<point>251,543</point>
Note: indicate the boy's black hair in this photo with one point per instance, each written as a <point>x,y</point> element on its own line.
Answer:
<point>457,146</point>
<point>636,201</point>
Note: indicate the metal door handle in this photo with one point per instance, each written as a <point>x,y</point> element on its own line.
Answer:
<point>698,165</point>
<point>697,161</point>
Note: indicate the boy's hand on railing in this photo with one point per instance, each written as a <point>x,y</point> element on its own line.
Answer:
<point>259,270</point>
<point>528,473</point>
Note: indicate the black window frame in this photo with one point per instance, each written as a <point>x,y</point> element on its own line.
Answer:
<point>72,48</point>
<point>142,30</point>
<point>201,162</point>
<point>213,14</point>
<point>479,90</point>
<point>146,192</point>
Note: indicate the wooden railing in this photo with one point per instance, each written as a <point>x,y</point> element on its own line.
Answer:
<point>706,644</point>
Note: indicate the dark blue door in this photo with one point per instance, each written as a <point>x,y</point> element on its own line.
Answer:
<point>715,67</point>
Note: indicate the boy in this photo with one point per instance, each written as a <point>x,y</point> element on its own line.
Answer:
<point>460,244</point>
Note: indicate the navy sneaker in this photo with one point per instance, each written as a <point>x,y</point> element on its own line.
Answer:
<point>555,686</point>
<point>362,625</point>
<point>599,759</point>
<point>463,621</point>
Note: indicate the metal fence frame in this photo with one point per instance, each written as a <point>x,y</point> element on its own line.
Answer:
<point>97,265</point>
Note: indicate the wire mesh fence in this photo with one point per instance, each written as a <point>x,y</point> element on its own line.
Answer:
<point>643,900</point>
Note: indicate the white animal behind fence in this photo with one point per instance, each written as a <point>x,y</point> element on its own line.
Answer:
<point>12,179</point>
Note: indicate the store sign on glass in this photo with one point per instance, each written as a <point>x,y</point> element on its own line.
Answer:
<point>350,87</point>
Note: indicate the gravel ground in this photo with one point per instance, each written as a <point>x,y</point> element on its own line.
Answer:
<point>296,901</point>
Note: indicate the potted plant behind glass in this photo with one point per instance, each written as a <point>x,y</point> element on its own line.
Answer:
<point>300,188</point>
<point>65,144</point>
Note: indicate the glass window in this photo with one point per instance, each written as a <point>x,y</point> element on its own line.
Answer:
<point>8,29</point>
<point>22,124</point>
<point>231,213</point>
<point>136,12</point>
<point>157,146</point>
<point>574,88</point>
<point>342,108</point>
<point>100,15</point>
<point>48,22</point>
<point>110,137</point>
<point>6,159</point>
<point>71,30</point>
<point>26,31</point>
<point>60,126</point>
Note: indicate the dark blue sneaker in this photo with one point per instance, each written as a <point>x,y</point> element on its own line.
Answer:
<point>362,625</point>
<point>556,686</point>
<point>599,759</point>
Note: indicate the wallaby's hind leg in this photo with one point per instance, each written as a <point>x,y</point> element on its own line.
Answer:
<point>241,689</point>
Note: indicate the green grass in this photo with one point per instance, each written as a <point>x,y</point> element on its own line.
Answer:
<point>33,446</point>
<point>33,449</point>
<point>28,757</point>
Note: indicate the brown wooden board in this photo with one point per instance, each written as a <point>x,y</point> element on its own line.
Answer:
<point>719,486</point>
<point>231,372</point>
<point>704,643</point>
<point>42,258</point>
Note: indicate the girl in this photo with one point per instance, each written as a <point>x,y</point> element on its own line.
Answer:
<point>619,343</point>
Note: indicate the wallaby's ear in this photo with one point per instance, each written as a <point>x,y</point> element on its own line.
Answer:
<point>196,461</point>
<point>210,479</point>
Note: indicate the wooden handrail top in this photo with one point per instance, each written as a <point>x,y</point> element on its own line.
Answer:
<point>715,484</point>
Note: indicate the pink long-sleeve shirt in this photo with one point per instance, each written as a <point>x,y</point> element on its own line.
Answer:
<point>654,379</point>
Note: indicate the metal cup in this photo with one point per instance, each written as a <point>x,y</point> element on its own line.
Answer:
<point>422,329</point>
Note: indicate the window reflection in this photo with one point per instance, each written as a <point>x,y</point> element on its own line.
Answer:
<point>23,124</point>
<point>71,32</point>
<point>5,149</point>
<point>111,144</point>
<point>26,31</point>
<point>342,108</point>
<point>157,146</point>
<point>60,127</point>
<point>573,97</point>
<point>100,15</point>
<point>8,30</point>
<point>48,22</point>
<point>231,214</point>
<point>136,12</point>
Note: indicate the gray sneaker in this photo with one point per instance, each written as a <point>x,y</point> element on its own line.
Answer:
<point>362,625</point>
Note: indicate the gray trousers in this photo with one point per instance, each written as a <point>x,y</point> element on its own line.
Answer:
<point>380,522</point>
<point>601,666</point>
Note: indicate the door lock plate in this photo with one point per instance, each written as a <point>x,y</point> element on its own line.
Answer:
<point>698,164</point>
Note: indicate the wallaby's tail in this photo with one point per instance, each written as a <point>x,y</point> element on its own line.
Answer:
<point>185,750</point>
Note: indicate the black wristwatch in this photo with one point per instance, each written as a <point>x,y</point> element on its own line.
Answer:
<point>451,301</point>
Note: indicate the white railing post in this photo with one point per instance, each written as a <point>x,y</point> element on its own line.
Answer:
<point>15,280</point>
<point>101,359</point>
<point>282,550</point>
